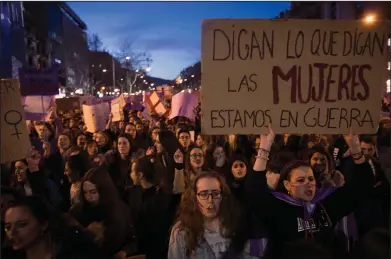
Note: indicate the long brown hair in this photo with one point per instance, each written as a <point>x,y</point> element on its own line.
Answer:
<point>190,219</point>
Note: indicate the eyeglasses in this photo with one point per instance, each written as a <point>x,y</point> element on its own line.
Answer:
<point>204,195</point>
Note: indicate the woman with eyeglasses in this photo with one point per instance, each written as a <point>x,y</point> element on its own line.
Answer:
<point>187,169</point>
<point>208,220</point>
<point>295,210</point>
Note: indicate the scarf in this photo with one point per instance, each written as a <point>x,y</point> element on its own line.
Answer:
<point>347,224</point>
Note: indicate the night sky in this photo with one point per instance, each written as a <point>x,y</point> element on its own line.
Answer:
<point>169,31</point>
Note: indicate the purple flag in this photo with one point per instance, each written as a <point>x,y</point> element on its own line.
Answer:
<point>183,104</point>
<point>38,82</point>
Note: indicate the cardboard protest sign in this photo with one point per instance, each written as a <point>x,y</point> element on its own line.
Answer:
<point>184,104</point>
<point>303,76</point>
<point>38,108</point>
<point>95,116</point>
<point>15,141</point>
<point>117,106</point>
<point>155,105</point>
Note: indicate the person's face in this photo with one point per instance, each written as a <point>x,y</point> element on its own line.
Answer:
<point>134,175</point>
<point>123,146</point>
<point>91,193</point>
<point>367,149</point>
<point>21,227</point>
<point>155,134</point>
<point>113,127</point>
<point>43,132</point>
<point>196,158</point>
<point>20,171</point>
<point>63,142</point>
<point>199,141</point>
<point>92,149</point>
<point>318,162</point>
<point>131,119</point>
<point>158,145</point>
<point>218,153</point>
<point>139,127</point>
<point>72,177</point>
<point>239,169</point>
<point>302,184</point>
<point>209,197</point>
<point>130,129</point>
<point>122,125</point>
<point>140,115</point>
<point>7,200</point>
<point>100,139</point>
<point>81,141</point>
<point>94,136</point>
<point>184,139</point>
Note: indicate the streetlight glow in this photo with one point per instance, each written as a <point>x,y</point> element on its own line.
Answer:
<point>104,70</point>
<point>148,69</point>
<point>127,58</point>
<point>369,18</point>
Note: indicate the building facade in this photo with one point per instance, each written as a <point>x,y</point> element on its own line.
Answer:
<point>43,34</point>
<point>12,47</point>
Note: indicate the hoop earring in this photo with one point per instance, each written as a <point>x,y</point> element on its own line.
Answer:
<point>289,193</point>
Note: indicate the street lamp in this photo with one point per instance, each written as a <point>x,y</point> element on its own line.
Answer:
<point>369,18</point>
<point>148,69</point>
<point>104,70</point>
<point>127,58</point>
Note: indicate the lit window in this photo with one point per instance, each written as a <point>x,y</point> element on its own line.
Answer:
<point>389,42</point>
<point>388,86</point>
<point>389,65</point>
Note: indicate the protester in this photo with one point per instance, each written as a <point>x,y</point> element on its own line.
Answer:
<point>141,186</point>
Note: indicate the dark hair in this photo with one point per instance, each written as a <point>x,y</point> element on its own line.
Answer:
<point>146,165</point>
<point>367,139</point>
<point>44,213</point>
<point>278,160</point>
<point>77,164</point>
<point>190,219</point>
<point>286,173</point>
<point>108,194</point>
<point>130,140</point>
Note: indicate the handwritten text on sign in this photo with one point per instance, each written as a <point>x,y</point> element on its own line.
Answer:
<point>15,141</point>
<point>302,76</point>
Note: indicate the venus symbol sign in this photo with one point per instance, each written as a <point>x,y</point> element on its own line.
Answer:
<point>13,118</point>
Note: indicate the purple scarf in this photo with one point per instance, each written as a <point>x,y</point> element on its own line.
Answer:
<point>320,195</point>
<point>347,224</point>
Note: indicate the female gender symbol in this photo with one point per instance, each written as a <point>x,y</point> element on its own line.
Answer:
<point>7,120</point>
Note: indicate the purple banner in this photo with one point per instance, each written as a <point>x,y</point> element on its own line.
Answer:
<point>38,82</point>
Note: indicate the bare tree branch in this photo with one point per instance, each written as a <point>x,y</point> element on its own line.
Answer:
<point>134,61</point>
<point>94,42</point>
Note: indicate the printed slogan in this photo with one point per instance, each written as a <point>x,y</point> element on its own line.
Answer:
<point>315,77</point>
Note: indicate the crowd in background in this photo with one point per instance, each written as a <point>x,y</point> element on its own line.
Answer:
<point>159,188</point>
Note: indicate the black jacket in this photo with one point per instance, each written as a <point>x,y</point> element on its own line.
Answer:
<point>285,222</point>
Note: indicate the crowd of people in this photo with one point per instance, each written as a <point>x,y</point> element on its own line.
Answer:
<point>146,188</point>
